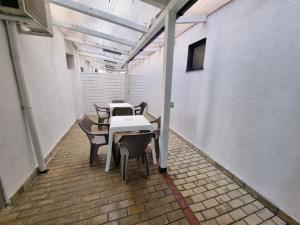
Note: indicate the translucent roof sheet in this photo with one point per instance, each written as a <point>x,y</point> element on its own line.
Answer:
<point>135,11</point>
<point>132,10</point>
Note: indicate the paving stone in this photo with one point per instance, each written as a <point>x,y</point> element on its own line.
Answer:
<point>247,198</point>
<point>199,217</point>
<point>210,194</point>
<point>268,222</point>
<point>237,214</point>
<point>210,203</point>
<point>224,208</point>
<point>159,220</point>
<point>117,214</point>
<point>209,213</point>
<point>253,219</point>
<point>235,203</point>
<point>98,220</point>
<point>175,215</point>
<point>278,221</point>
<point>265,214</point>
<point>135,209</point>
<point>224,219</point>
<point>198,197</point>
<point>89,213</point>
<point>222,198</point>
<point>197,207</point>
<point>240,222</point>
<point>209,222</point>
<point>250,208</point>
<point>187,193</point>
<point>189,185</point>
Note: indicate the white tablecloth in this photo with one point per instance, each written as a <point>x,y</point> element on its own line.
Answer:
<point>127,123</point>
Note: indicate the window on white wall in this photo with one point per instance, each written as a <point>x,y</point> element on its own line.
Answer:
<point>196,55</point>
<point>70,61</point>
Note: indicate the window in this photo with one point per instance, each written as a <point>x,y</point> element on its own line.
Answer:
<point>196,55</point>
<point>10,3</point>
<point>70,61</point>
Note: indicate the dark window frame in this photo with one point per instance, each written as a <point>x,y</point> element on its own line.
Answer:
<point>190,58</point>
<point>70,61</point>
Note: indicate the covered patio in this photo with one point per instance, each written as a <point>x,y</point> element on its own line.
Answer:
<point>74,193</point>
<point>203,94</point>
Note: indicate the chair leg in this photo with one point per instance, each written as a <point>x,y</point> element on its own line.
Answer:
<point>156,143</point>
<point>91,154</point>
<point>147,164</point>
<point>126,167</point>
<point>122,167</point>
<point>95,151</point>
<point>143,159</point>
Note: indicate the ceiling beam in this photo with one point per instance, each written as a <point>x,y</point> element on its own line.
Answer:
<point>157,26</point>
<point>102,64</point>
<point>112,58</point>
<point>99,56</point>
<point>94,33</point>
<point>92,51</point>
<point>157,3</point>
<point>191,19</point>
<point>99,60</point>
<point>97,45</point>
<point>81,8</point>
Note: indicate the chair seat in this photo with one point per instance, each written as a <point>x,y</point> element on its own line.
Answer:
<point>96,130</point>
<point>98,140</point>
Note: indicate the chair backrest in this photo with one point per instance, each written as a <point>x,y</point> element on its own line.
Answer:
<point>117,101</point>
<point>157,122</point>
<point>136,143</point>
<point>143,106</point>
<point>96,106</point>
<point>86,125</point>
<point>122,111</point>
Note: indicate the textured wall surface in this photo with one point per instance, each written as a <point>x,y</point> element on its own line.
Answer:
<point>51,86</point>
<point>16,157</point>
<point>243,109</point>
<point>55,94</point>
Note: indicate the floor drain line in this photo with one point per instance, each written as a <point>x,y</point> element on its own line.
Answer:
<point>181,201</point>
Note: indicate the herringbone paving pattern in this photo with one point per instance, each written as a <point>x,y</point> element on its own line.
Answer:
<point>74,193</point>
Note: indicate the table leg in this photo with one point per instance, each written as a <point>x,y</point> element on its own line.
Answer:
<point>109,151</point>
<point>153,151</point>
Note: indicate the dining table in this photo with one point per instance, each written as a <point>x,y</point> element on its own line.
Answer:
<point>124,124</point>
<point>120,105</point>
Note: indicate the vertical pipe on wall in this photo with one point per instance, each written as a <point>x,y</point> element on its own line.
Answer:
<point>14,45</point>
<point>170,22</point>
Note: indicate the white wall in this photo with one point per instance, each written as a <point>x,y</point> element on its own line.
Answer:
<point>243,109</point>
<point>16,157</point>
<point>55,93</point>
<point>54,90</point>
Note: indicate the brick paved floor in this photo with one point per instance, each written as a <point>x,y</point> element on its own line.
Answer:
<point>212,196</point>
<point>74,193</point>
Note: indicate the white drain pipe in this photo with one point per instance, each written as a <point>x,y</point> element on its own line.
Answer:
<point>14,45</point>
